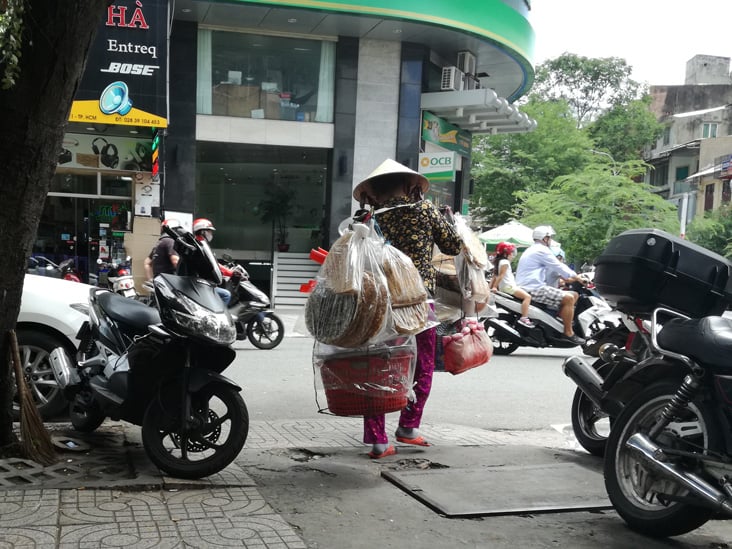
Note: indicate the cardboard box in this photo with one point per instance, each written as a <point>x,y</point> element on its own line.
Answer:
<point>270,102</point>
<point>242,99</point>
<point>233,100</point>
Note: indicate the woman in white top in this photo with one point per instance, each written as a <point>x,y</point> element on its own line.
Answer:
<point>504,280</point>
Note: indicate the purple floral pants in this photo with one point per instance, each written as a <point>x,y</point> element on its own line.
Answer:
<point>374,427</point>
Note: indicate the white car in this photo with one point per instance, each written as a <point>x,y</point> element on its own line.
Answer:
<point>51,312</point>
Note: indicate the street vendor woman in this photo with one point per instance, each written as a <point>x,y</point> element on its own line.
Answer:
<point>412,225</point>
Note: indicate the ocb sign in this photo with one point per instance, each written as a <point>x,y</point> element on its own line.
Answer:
<point>438,166</point>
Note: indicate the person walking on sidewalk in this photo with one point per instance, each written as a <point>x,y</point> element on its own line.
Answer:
<point>531,273</point>
<point>412,225</point>
<point>505,282</point>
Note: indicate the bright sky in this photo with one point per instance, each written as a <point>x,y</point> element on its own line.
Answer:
<point>655,37</point>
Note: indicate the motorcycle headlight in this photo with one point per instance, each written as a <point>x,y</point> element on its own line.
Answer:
<point>217,327</point>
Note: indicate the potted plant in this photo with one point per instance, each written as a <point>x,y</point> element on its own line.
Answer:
<point>276,208</point>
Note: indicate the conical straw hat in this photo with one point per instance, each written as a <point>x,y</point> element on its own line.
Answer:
<point>387,167</point>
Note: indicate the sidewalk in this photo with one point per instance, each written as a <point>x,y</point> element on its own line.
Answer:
<point>309,484</point>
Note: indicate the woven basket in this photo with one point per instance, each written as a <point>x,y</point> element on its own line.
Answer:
<point>366,385</point>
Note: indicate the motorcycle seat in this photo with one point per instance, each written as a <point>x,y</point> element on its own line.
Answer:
<point>707,340</point>
<point>128,311</point>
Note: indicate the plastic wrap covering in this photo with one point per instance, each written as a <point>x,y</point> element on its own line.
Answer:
<point>468,348</point>
<point>471,279</point>
<point>410,311</point>
<point>473,248</point>
<point>372,380</point>
<point>349,305</point>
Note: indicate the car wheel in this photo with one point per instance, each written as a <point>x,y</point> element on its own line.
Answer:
<point>34,349</point>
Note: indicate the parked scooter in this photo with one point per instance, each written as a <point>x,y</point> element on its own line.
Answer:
<point>119,276</point>
<point>250,307</point>
<point>161,368</point>
<point>592,314</point>
<point>68,270</point>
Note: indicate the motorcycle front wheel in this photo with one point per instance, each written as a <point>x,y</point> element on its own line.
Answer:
<point>650,503</point>
<point>214,436</point>
<point>590,424</point>
<point>266,332</point>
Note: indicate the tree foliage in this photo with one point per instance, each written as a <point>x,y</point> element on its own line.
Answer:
<point>588,85</point>
<point>505,164</point>
<point>625,129</point>
<point>713,231</point>
<point>589,207</point>
<point>11,29</point>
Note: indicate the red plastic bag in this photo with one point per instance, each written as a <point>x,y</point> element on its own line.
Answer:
<point>467,349</point>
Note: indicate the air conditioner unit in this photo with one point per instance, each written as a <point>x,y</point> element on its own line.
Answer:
<point>452,79</point>
<point>471,82</point>
<point>466,62</point>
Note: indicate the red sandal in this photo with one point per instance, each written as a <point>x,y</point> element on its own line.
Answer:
<point>418,441</point>
<point>390,451</point>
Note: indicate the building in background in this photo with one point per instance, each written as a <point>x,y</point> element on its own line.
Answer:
<point>691,159</point>
<point>275,110</point>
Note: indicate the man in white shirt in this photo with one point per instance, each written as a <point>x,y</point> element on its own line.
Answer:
<point>531,274</point>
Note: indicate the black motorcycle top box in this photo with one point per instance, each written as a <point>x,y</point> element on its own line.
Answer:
<point>642,269</point>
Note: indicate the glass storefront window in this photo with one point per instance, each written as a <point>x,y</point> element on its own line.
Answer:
<point>116,185</point>
<point>74,183</point>
<point>233,181</point>
<point>260,76</point>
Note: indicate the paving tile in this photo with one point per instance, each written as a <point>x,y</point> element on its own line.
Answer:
<point>35,536</point>
<point>216,503</point>
<point>103,506</point>
<point>260,531</point>
<point>140,535</point>
<point>22,507</point>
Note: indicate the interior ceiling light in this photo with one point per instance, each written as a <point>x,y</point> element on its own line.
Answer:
<point>292,20</point>
<point>397,31</point>
<point>186,10</point>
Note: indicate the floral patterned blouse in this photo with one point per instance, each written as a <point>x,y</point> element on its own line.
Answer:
<point>413,228</point>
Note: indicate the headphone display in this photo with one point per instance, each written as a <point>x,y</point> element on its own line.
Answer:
<point>108,154</point>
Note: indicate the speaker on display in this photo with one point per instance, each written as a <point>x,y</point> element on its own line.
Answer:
<point>115,99</point>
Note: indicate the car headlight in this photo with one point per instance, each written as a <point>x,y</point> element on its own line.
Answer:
<point>217,327</point>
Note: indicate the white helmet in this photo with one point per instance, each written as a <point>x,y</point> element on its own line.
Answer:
<point>542,231</point>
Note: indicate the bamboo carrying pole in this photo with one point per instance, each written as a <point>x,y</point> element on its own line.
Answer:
<point>35,441</point>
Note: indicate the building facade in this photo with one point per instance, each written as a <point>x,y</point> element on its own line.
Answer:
<point>277,109</point>
<point>687,160</point>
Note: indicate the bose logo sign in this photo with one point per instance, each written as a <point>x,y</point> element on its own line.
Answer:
<point>129,68</point>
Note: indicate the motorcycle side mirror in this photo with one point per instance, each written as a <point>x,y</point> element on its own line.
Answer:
<point>99,261</point>
<point>227,258</point>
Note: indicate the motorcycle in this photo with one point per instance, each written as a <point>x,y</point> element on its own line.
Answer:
<point>668,462</point>
<point>594,404</point>
<point>592,316</point>
<point>40,265</point>
<point>119,276</point>
<point>161,368</point>
<point>68,270</point>
<point>250,307</point>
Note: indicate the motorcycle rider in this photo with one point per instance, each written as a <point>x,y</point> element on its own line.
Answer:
<point>162,258</point>
<point>204,229</point>
<point>531,274</point>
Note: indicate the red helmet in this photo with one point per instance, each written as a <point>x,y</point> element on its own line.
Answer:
<point>201,224</point>
<point>505,248</point>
